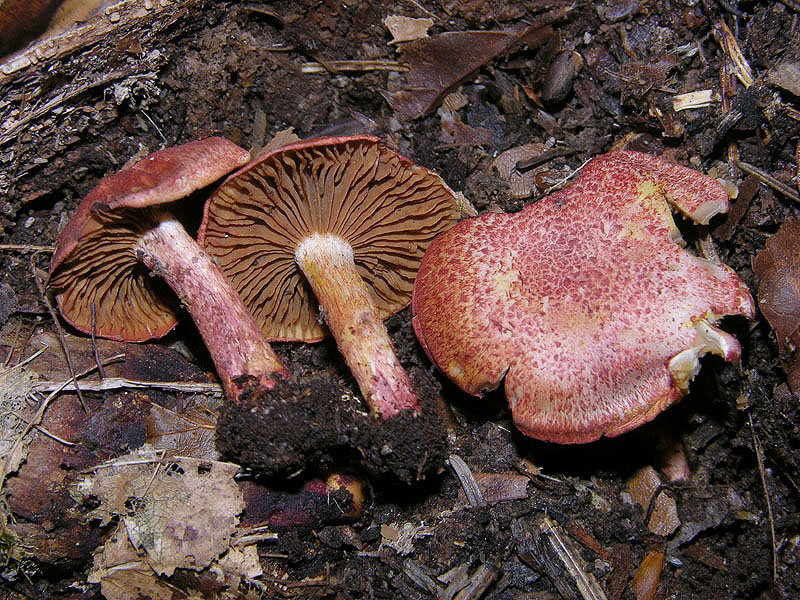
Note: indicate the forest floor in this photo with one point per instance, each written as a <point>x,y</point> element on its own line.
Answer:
<point>703,502</point>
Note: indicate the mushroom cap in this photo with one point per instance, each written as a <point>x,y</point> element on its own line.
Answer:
<point>95,257</point>
<point>383,205</point>
<point>586,301</point>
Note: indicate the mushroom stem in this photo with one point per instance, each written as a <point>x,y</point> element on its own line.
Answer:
<point>327,262</point>
<point>233,338</point>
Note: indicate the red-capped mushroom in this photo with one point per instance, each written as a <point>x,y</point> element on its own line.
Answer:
<point>331,231</point>
<point>585,302</point>
<point>125,228</point>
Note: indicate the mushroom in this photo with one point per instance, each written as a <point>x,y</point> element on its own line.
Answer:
<point>344,220</point>
<point>123,229</point>
<point>585,302</point>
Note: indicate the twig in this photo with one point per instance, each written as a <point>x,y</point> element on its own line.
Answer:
<point>25,248</point>
<point>100,370</point>
<point>352,65</point>
<point>775,184</point>
<point>161,455</point>
<point>13,345</point>
<point>480,580</point>
<point>116,383</point>
<point>44,431</point>
<point>587,585</point>
<point>153,123</point>
<point>760,463</point>
<point>563,182</point>
<point>423,9</point>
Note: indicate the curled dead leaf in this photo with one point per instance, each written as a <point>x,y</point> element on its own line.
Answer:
<point>778,269</point>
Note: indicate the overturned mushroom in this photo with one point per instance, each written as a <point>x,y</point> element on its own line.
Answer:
<point>585,302</point>
<point>343,220</point>
<point>125,228</point>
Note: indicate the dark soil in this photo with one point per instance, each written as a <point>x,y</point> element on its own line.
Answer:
<point>231,69</point>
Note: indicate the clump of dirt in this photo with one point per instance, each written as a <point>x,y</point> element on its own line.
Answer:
<point>313,422</point>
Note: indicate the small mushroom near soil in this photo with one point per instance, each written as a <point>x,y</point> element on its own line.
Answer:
<point>325,236</point>
<point>336,499</point>
<point>124,229</point>
<point>586,302</point>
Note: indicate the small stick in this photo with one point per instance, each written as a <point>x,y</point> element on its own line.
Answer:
<point>100,370</point>
<point>775,184</point>
<point>116,383</point>
<point>760,463</point>
<point>26,248</point>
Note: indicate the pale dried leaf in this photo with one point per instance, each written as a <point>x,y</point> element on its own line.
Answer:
<point>123,574</point>
<point>237,563</point>
<point>407,29</point>
<point>16,411</point>
<point>283,138</point>
<point>181,512</point>
<point>181,434</point>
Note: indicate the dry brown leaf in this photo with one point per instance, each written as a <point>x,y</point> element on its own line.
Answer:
<point>456,133</point>
<point>283,138</point>
<point>123,573</point>
<point>437,64</point>
<point>407,29</point>
<point>181,512</point>
<point>181,434</point>
<point>501,487</point>
<point>778,269</point>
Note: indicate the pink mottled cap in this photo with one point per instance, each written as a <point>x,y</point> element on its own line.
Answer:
<point>94,261</point>
<point>586,301</point>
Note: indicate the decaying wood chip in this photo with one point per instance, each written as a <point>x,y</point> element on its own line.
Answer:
<point>696,99</point>
<point>648,576</point>
<point>546,547</point>
<point>661,511</point>
<point>468,482</point>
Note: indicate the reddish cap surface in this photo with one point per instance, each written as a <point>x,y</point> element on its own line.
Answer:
<point>585,301</point>
<point>95,261</point>
<point>383,205</point>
